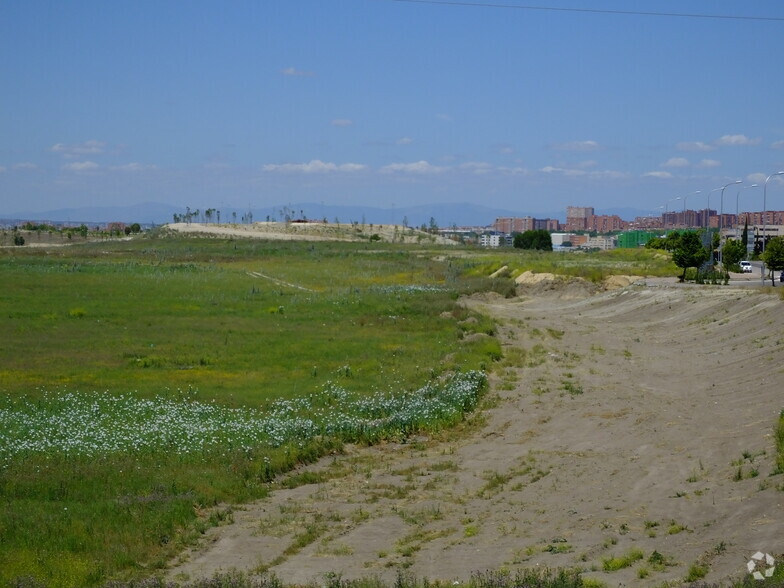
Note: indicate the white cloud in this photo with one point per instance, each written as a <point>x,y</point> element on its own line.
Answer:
<point>676,162</point>
<point>2,169</point>
<point>657,174</point>
<point>694,146</point>
<point>404,141</point>
<point>134,167</point>
<point>594,175</point>
<point>442,116</point>
<point>91,147</point>
<point>292,71</point>
<point>24,165</point>
<point>709,163</point>
<point>351,167</point>
<point>515,171</point>
<point>549,169</point>
<point>759,178</point>
<point>315,166</point>
<point>736,140</point>
<point>418,167</point>
<point>342,122</point>
<point>777,145</point>
<point>608,174</point>
<point>580,146</point>
<point>80,166</point>
<point>589,163</point>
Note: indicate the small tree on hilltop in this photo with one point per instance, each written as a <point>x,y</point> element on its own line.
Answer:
<point>689,252</point>
<point>774,257</point>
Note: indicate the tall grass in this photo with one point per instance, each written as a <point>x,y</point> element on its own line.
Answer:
<point>779,436</point>
<point>539,578</point>
<point>144,383</point>
<point>188,313</point>
<point>594,266</point>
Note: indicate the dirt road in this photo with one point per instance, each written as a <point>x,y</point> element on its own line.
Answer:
<point>631,423</point>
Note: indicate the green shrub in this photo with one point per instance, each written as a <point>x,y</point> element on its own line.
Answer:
<point>612,564</point>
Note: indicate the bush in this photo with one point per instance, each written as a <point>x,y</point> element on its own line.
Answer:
<point>712,276</point>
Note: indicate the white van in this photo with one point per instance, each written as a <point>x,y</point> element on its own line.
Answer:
<point>745,267</point>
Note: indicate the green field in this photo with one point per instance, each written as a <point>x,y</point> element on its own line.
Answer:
<point>145,384</point>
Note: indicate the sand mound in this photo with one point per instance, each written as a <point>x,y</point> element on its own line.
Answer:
<point>617,282</point>
<point>533,284</point>
<point>528,278</point>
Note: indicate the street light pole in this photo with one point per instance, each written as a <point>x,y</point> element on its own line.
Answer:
<point>666,209</point>
<point>721,211</point>
<point>707,214</point>
<point>765,219</point>
<point>737,216</point>
<point>737,199</point>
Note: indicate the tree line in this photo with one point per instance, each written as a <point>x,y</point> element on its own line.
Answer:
<point>689,251</point>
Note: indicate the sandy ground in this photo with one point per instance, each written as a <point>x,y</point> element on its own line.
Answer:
<point>618,421</point>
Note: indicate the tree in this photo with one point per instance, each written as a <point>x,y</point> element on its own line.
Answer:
<point>669,242</point>
<point>744,236</point>
<point>538,239</point>
<point>774,257</point>
<point>731,254</point>
<point>689,252</point>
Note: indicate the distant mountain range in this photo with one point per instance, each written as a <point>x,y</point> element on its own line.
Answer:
<point>152,213</point>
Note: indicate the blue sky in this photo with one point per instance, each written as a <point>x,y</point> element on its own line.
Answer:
<point>389,103</point>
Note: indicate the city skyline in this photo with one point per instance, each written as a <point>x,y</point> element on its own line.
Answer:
<point>391,103</point>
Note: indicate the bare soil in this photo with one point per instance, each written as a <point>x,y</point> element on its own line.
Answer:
<point>636,418</point>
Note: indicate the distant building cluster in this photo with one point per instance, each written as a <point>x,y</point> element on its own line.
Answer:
<point>578,218</point>
<point>584,229</point>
